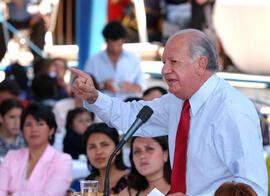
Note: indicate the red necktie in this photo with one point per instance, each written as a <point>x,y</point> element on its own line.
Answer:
<point>178,177</point>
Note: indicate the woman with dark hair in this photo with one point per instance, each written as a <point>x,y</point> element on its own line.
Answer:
<point>235,189</point>
<point>100,142</point>
<point>10,133</point>
<point>37,169</point>
<point>150,166</point>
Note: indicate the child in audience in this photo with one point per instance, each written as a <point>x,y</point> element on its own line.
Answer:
<point>150,166</point>
<point>78,120</point>
<point>10,134</point>
<point>100,142</point>
<point>9,88</point>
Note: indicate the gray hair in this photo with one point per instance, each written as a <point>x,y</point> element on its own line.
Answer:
<point>200,45</point>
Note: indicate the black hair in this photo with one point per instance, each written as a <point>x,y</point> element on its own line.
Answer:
<point>11,86</point>
<point>38,65</point>
<point>44,86</point>
<point>9,104</point>
<point>73,113</point>
<point>138,181</point>
<point>130,99</point>
<point>113,135</point>
<point>159,88</point>
<point>40,112</point>
<point>114,30</point>
<point>18,73</point>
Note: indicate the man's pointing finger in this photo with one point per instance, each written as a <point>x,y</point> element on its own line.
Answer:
<point>79,73</point>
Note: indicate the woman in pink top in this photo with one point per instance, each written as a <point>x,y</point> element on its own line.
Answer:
<point>38,169</point>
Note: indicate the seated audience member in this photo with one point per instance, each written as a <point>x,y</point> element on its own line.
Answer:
<point>10,134</point>
<point>37,169</point>
<point>116,70</point>
<point>153,92</point>
<point>78,120</point>
<point>44,89</point>
<point>18,72</point>
<point>235,189</point>
<point>100,142</point>
<point>64,88</point>
<point>150,166</point>
<point>9,88</point>
<point>56,68</point>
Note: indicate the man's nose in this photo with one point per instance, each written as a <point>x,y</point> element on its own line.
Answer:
<point>166,68</point>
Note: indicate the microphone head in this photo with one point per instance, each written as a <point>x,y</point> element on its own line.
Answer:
<point>145,113</point>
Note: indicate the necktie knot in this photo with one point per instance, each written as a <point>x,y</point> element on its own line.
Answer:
<point>186,105</point>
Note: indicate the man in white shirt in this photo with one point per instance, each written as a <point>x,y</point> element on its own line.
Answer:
<point>224,139</point>
<point>116,70</point>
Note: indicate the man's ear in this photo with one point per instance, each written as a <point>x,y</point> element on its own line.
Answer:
<point>202,64</point>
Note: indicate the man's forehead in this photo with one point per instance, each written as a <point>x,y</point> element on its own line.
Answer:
<point>175,50</point>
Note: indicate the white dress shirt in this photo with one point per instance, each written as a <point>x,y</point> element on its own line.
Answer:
<point>224,140</point>
<point>127,69</point>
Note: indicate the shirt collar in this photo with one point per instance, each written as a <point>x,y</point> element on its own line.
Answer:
<point>105,54</point>
<point>200,97</point>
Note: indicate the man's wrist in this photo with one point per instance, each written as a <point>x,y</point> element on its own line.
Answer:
<point>92,99</point>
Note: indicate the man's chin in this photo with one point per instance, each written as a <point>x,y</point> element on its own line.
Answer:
<point>172,90</point>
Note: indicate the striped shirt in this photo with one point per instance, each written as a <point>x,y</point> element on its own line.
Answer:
<point>17,143</point>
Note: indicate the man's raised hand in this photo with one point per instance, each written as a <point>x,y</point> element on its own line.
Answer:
<point>83,86</point>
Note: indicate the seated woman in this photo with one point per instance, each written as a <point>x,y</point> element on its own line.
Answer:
<point>78,120</point>
<point>37,169</point>
<point>100,142</point>
<point>150,166</point>
<point>235,189</point>
<point>10,134</point>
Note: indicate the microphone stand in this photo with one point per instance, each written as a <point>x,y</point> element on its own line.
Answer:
<point>106,182</point>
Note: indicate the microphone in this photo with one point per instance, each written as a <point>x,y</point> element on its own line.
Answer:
<point>144,114</point>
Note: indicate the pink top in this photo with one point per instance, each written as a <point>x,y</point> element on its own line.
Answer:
<point>51,176</point>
